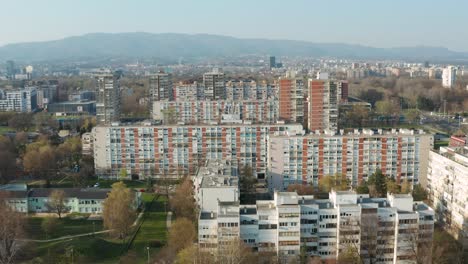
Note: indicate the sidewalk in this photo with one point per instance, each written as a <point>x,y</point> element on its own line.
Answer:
<point>168,220</point>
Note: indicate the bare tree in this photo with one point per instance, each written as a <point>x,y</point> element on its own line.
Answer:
<point>56,202</point>
<point>11,229</point>
<point>119,210</point>
<point>236,252</point>
<point>182,202</point>
<point>182,234</point>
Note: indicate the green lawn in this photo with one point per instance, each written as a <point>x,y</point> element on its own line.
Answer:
<point>153,232</point>
<point>66,227</point>
<point>85,250</point>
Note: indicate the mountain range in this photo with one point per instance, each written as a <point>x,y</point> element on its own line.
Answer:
<point>173,46</point>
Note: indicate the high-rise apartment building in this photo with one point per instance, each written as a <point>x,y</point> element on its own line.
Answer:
<point>272,62</point>
<point>304,159</point>
<point>160,86</point>
<point>146,150</point>
<point>215,87</point>
<point>291,98</point>
<point>447,182</point>
<point>107,97</point>
<point>10,69</point>
<point>449,76</point>
<point>324,99</point>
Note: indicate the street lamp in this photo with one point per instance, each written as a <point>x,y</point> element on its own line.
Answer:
<point>147,250</point>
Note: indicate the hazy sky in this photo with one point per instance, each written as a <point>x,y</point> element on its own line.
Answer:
<point>379,23</point>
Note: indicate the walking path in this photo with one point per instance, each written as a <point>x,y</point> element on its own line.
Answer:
<point>64,237</point>
<point>168,220</point>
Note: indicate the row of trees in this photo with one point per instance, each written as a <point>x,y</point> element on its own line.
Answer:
<point>377,185</point>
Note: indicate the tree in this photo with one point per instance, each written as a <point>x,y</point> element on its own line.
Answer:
<point>336,182</point>
<point>301,189</point>
<point>56,202</point>
<point>182,202</point>
<point>123,174</point>
<point>392,186</point>
<point>170,115</point>
<point>412,115</point>
<point>419,193</point>
<point>349,256</point>
<point>193,254</point>
<point>247,185</point>
<point>356,116</point>
<point>182,234</point>
<point>11,230</point>
<point>377,184</point>
<point>21,121</point>
<point>40,160</point>
<point>236,252</point>
<point>119,209</point>
<point>362,188</point>
<point>405,186</point>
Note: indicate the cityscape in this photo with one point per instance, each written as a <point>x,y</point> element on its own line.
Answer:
<point>212,146</point>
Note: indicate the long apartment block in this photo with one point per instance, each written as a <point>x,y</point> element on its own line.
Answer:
<point>205,112</point>
<point>381,230</point>
<point>139,151</point>
<point>304,159</point>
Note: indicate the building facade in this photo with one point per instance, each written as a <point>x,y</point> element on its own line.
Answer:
<point>22,100</point>
<point>449,76</point>
<point>107,97</point>
<point>160,86</point>
<point>291,99</point>
<point>325,97</point>
<point>146,150</point>
<point>447,182</point>
<point>207,112</point>
<point>381,230</point>
<point>214,84</point>
<point>304,159</point>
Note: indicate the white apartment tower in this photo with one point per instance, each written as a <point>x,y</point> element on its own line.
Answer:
<point>449,76</point>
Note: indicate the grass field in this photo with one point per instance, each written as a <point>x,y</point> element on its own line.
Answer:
<point>66,227</point>
<point>153,232</point>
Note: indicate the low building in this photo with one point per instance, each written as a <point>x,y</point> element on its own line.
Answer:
<point>216,181</point>
<point>77,200</point>
<point>22,100</point>
<point>381,230</point>
<point>73,107</point>
<point>447,182</point>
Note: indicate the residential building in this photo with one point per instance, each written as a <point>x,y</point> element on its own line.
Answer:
<point>447,182</point>
<point>291,98</point>
<point>207,112</point>
<point>108,97</point>
<point>36,200</point>
<point>160,86</point>
<point>173,150</point>
<point>46,94</point>
<point>22,100</point>
<point>272,62</point>
<point>87,144</point>
<point>215,181</point>
<point>325,97</point>
<point>10,69</point>
<point>214,84</point>
<point>449,76</point>
<point>188,92</point>
<point>304,159</point>
<point>382,230</point>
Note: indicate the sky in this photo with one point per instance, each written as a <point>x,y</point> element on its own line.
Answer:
<point>377,23</point>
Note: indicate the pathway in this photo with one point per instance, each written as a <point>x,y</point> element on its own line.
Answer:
<point>168,220</point>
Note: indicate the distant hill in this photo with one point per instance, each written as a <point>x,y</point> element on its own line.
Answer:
<point>173,46</point>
